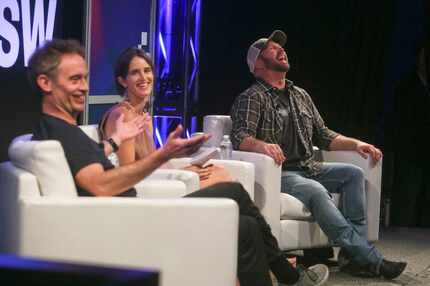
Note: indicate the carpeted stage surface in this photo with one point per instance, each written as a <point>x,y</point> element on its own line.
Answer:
<point>409,244</point>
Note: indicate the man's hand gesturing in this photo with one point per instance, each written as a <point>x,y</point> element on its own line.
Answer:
<point>176,146</point>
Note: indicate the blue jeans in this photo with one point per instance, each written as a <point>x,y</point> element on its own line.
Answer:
<point>347,227</point>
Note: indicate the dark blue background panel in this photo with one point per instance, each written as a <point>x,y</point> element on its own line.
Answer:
<point>114,27</point>
<point>96,112</point>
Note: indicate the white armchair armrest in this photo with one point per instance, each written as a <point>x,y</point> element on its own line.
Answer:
<point>267,186</point>
<point>153,188</point>
<point>242,172</point>
<point>372,172</point>
<point>189,182</point>
<point>168,234</point>
<point>373,175</point>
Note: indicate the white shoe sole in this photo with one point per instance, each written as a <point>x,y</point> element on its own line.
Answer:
<point>325,278</point>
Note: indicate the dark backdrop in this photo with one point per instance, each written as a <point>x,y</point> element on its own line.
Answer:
<point>20,106</point>
<point>352,57</point>
<point>336,51</point>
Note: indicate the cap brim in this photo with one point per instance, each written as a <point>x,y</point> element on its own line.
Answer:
<point>278,37</point>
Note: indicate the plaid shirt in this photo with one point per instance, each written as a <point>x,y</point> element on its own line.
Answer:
<point>287,117</point>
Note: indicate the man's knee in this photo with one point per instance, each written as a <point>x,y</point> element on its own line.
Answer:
<point>236,190</point>
<point>236,187</point>
<point>308,190</point>
<point>230,186</point>
<point>355,172</point>
<point>316,189</point>
<point>229,190</point>
<point>318,194</point>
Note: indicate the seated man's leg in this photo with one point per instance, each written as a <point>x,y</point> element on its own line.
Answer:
<point>317,255</point>
<point>317,199</point>
<point>252,263</point>
<point>347,180</point>
<point>236,192</point>
<point>250,221</point>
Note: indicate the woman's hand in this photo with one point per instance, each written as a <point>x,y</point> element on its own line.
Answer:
<point>203,172</point>
<point>210,175</point>
<point>130,129</point>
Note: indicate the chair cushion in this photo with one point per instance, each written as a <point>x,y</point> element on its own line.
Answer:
<point>46,160</point>
<point>91,131</point>
<point>292,208</point>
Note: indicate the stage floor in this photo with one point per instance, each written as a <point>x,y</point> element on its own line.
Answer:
<point>409,244</point>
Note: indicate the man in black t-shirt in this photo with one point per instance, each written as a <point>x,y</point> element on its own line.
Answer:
<point>79,149</point>
<point>58,70</point>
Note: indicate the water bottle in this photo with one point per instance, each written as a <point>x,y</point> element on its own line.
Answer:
<point>226,148</point>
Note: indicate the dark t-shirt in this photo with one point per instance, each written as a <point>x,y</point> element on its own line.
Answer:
<point>293,148</point>
<point>80,150</point>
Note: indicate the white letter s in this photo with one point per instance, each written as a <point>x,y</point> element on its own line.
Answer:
<point>8,31</point>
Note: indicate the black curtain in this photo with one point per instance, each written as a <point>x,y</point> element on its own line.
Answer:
<point>20,104</point>
<point>351,56</point>
<point>336,50</point>
<point>407,119</point>
<point>356,59</point>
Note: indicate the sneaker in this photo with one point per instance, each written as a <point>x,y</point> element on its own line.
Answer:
<point>313,276</point>
<point>343,258</point>
<point>350,267</point>
<point>388,269</point>
<point>391,269</point>
<point>356,270</point>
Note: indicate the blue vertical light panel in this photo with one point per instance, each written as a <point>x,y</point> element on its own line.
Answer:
<point>177,62</point>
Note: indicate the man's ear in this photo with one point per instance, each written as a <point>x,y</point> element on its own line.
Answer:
<point>44,83</point>
<point>121,81</point>
<point>259,64</point>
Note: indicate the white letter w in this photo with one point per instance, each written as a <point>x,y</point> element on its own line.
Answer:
<point>30,35</point>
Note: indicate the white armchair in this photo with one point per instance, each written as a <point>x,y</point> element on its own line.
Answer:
<point>41,216</point>
<point>290,221</point>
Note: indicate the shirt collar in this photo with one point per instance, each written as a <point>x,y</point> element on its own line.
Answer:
<point>267,87</point>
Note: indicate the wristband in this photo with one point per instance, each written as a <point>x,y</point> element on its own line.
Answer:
<point>113,144</point>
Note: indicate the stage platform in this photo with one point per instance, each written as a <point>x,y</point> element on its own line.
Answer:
<point>409,244</point>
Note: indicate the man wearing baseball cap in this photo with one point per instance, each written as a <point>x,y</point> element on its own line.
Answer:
<point>279,119</point>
